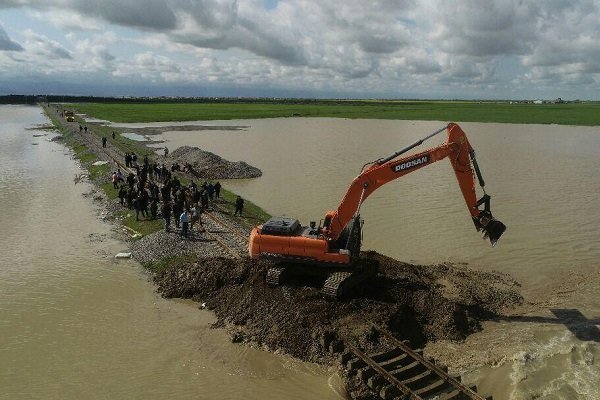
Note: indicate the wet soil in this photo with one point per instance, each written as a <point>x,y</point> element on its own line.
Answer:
<point>419,303</point>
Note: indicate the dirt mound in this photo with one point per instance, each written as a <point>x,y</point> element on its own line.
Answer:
<point>419,303</point>
<point>210,166</point>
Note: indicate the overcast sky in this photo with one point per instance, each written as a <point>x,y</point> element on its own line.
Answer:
<point>507,49</point>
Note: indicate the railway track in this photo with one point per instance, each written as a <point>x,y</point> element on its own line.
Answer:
<point>399,372</point>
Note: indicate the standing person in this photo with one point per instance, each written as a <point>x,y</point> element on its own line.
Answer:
<point>211,190</point>
<point>122,194</point>
<point>177,209</point>
<point>115,179</point>
<point>120,175</point>
<point>127,160</point>
<point>166,151</point>
<point>204,199</point>
<point>103,142</point>
<point>217,189</point>
<point>184,219</point>
<point>166,214</point>
<point>194,216</point>
<point>130,196</point>
<point>239,206</point>
<point>153,209</point>
<point>138,207</point>
<point>85,128</point>
<point>144,201</point>
<point>113,135</point>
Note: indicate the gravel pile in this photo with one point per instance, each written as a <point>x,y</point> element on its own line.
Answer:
<point>158,245</point>
<point>210,166</point>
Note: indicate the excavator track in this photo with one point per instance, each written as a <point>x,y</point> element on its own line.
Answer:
<point>275,276</point>
<point>335,284</point>
<point>340,284</point>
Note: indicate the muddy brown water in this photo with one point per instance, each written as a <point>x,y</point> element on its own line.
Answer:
<point>75,324</point>
<point>544,181</point>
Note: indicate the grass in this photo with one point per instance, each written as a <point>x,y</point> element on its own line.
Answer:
<point>143,226</point>
<point>169,262</point>
<point>252,214</point>
<point>97,171</point>
<point>586,113</point>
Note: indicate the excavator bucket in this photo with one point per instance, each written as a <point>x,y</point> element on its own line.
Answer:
<point>492,228</point>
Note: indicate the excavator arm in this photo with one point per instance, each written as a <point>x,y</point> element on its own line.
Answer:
<point>462,157</point>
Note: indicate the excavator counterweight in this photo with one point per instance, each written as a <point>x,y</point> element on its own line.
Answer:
<point>336,241</point>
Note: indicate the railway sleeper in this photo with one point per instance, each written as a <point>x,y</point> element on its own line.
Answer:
<point>397,362</point>
<point>345,356</point>
<point>436,388</point>
<point>365,373</point>
<point>354,364</point>
<point>421,380</point>
<point>409,370</point>
<point>382,356</point>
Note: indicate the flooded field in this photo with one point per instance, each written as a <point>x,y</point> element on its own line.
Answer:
<point>544,181</point>
<point>75,324</point>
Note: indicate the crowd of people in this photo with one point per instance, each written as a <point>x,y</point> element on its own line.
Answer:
<point>154,191</point>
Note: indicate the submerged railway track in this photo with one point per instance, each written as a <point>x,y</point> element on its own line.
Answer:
<point>398,371</point>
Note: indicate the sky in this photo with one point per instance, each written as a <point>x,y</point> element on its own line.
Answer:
<point>405,49</point>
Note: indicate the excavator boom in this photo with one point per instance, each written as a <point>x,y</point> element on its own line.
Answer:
<point>337,240</point>
<point>462,157</point>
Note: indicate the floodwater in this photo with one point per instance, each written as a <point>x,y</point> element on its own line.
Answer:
<point>134,136</point>
<point>544,181</point>
<point>77,324</point>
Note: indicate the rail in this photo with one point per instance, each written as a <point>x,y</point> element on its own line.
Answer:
<point>401,372</point>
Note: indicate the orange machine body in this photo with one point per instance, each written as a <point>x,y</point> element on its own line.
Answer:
<point>300,247</point>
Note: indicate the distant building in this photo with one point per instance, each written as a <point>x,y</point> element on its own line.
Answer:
<point>537,101</point>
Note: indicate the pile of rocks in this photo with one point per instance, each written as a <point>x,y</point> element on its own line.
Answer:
<point>161,244</point>
<point>208,165</point>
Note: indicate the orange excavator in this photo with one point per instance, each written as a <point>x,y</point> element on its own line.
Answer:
<point>336,241</point>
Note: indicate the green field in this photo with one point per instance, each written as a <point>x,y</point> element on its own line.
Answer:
<point>586,113</point>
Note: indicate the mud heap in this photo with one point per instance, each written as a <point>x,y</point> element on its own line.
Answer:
<point>420,303</point>
<point>210,166</point>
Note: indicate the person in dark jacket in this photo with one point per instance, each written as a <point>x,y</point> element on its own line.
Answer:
<point>153,209</point>
<point>239,206</point>
<point>177,210</point>
<point>166,215</point>
<point>122,194</point>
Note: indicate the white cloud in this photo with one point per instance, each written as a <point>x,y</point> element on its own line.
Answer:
<point>6,44</point>
<point>42,46</point>
<point>383,46</point>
